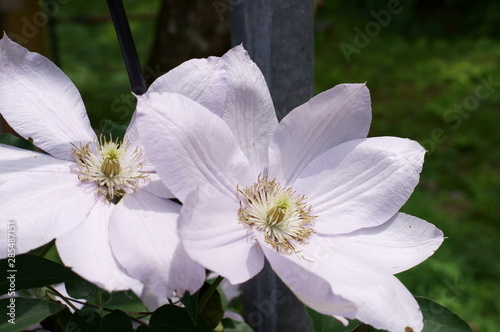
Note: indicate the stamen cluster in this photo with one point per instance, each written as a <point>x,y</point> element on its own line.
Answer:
<point>111,165</point>
<point>284,216</point>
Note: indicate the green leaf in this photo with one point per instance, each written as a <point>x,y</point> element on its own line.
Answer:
<point>58,321</point>
<point>234,326</point>
<point>191,305</point>
<point>116,321</point>
<point>33,272</point>
<point>82,289</point>
<point>212,310</point>
<point>143,328</point>
<point>85,320</point>
<point>170,318</point>
<point>114,129</point>
<point>440,319</point>
<point>328,323</point>
<point>25,312</point>
<point>18,142</point>
<point>89,320</point>
<point>126,301</point>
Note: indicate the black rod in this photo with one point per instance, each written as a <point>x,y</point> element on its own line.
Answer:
<point>127,46</point>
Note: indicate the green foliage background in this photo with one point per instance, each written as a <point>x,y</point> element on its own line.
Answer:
<point>427,59</point>
<point>417,72</point>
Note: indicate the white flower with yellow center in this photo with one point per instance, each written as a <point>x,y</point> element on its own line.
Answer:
<point>312,194</point>
<point>69,192</point>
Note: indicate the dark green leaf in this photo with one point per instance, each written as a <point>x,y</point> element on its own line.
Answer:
<point>114,129</point>
<point>223,299</point>
<point>126,301</point>
<point>234,326</point>
<point>212,311</point>
<point>47,251</point>
<point>18,142</point>
<point>58,321</point>
<point>33,272</point>
<point>191,305</point>
<point>440,319</point>
<point>328,323</point>
<point>82,289</point>
<point>85,320</point>
<point>25,312</point>
<point>116,321</point>
<point>170,318</point>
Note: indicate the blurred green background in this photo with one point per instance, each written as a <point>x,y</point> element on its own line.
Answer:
<point>426,71</point>
<point>425,64</point>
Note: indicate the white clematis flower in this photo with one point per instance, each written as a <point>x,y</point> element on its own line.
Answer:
<point>69,193</point>
<point>311,194</point>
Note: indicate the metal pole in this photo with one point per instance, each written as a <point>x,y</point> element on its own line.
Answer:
<point>279,37</point>
<point>127,46</point>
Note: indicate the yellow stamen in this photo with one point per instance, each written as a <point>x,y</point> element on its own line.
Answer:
<point>111,165</point>
<point>280,213</point>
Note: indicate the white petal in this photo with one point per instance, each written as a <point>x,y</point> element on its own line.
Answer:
<point>151,300</point>
<point>201,80</point>
<point>397,245</point>
<point>87,251</point>
<point>41,195</point>
<point>189,145</point>
<point>332,281</point>
<point>361,183</point>
<point>156,187</point>
<point>209,229</point>
<point>132,135</point>
<point>153,185</point>
<point>144,240</point>
<point>40,102</point>
<point>335,116</point>
<point>61,288</point>
<point>249,110</point>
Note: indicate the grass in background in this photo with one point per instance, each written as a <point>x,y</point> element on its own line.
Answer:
<point>413,83</point>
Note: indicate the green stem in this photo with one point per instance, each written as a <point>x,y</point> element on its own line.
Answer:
<point>62,297</point>
<point>209,293</point>
<point>69,300</point>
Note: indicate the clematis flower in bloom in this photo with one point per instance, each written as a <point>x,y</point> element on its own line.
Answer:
<point>70,193</point>
<point>310,194</point>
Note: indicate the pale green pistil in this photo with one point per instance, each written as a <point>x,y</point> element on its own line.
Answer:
<point>110,167</point>
<point>278,210</point>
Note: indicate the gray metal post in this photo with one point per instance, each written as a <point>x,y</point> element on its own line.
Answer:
<point>278,35</point>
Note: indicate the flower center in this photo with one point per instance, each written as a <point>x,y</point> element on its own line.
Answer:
<point>283,216</point>
<point>111,165</point>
